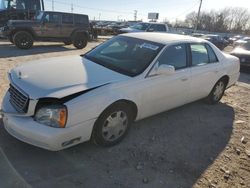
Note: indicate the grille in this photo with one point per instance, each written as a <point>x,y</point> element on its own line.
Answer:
<point>18,100</point>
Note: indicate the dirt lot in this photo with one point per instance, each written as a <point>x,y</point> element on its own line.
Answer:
<point>197,145</point>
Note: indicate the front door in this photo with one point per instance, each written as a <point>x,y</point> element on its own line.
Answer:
<point>163,92</point>
<point>51,26</point>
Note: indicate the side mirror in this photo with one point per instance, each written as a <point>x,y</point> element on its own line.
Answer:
<point>165,70</point>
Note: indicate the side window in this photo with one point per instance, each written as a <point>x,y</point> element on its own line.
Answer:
<point>161,28</point>
<point>199,54</point>
<point>53,18</point>
<point>212,57</point>
<point>153,27</point>
<point>81,19</point>
<point>174,55</point>
<point>67,19</point>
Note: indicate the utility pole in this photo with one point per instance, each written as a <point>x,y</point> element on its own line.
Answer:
<point>52,5</point>
<point>135,14</point>
<point>99,16</point>
<point>72,8</point>
<point>198,16</point>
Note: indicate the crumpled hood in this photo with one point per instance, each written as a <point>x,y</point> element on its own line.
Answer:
<point>62,76</point>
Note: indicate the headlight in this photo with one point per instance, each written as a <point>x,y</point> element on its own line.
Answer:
<point>54,116</point>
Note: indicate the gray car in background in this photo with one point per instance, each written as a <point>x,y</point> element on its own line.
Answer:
<point>145,27</point>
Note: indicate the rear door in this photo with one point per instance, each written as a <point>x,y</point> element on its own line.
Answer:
<point>67,25</point>
<point>205,70</point>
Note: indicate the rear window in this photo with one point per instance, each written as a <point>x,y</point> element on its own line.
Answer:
<point>81,19</point>
<point>67,19</point>
<point>212,57</point>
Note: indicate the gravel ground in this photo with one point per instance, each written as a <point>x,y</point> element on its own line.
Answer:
<point>196,145</point>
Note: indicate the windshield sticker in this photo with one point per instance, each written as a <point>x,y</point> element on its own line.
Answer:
<point>149,46</point>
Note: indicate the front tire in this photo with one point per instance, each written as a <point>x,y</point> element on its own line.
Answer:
<point>80,41</point>
<point>23,40</point>
<point>217,92</point>
<point>112,125</point>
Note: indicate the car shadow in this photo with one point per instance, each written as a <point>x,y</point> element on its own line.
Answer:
<point>171,149</point>
<point>8,50</point>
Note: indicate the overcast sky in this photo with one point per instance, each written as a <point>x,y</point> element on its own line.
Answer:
<point>117,9</point>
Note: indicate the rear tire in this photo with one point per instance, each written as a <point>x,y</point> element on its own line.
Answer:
<point>217,92</point>
<point>112,125</point>
<point>80,41</point>
<point>23,40</point>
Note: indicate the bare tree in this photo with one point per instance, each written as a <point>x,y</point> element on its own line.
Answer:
<point>226,20</point>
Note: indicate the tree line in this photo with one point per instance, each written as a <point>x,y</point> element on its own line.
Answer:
<point>233,20</point>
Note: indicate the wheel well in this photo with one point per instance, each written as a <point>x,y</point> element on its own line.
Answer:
<point>26,30</point>
<point>225,78</point>
<point>131,104</point>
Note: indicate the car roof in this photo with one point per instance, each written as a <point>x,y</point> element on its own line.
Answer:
<point>153,23</point>
<point>63,13</point>
<point>163,38</point>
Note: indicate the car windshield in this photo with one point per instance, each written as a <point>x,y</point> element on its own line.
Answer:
<point>246,46</point>
<point>3,4</point>
<point>140,26</point>
<point>126,55</point>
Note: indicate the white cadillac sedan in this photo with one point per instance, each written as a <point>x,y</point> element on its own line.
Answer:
<point>60,102</point>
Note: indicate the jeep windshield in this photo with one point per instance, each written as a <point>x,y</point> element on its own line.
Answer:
<point>3,4</point>
<point>140,26</point>
<point>126,55</point>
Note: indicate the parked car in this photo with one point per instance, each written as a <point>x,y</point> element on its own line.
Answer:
<point>241,41</point>
<point>48,26</point>
<point>243,53</point>
<point>232,40</point>
<point>145,27</point>
<point>198,35</point>
<point>99,94</point>
<point>217,40</point>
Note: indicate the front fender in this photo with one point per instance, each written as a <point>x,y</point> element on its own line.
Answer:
<point>91,104</point>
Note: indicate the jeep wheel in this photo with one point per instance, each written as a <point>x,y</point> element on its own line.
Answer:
<point>80,41</point>
<point>23,40</point>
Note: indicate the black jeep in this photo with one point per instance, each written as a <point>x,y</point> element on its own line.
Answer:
<point>48,26</point>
